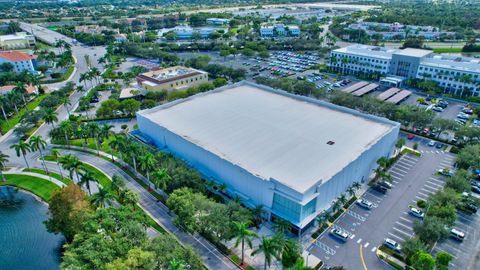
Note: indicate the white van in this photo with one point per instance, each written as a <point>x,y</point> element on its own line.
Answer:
<point>458,235</point>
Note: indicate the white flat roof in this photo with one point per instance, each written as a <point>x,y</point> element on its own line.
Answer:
<point>272,134</point>
<point>413,52</point>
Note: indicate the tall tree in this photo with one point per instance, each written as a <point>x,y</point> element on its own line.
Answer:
<point>242,235</point>
<point>147,163</point>
<point>102,198</point>
<point>269,248</point>
<point>37,143</point>
<point>50,116</point>
<point>86,178</point>
<point>55,153</point>
<point>22,148</point>
<point>68,210</point>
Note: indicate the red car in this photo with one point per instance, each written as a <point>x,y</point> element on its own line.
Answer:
<point>410,136</point>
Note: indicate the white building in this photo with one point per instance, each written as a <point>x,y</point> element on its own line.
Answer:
<point>19,60</point>
<point>217,21</point>
<point>453,73</point>
<point>279,30</point>
<point>19,40</point>
<point>292,154</point>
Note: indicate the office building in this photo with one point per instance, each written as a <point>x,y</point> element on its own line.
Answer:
<point>279,30</point>
<point>19,40</point>
<point>172,78</point>
<point>19,60</point>
<point>455,74</point>
<point>292,154</point>
<point>217,21</point>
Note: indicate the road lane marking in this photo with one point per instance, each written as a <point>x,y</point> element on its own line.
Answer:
<point>366,245</point>
<point>361,257</point>
<point>373,249</point>
<point>352,236</point>
<point>359,240</point>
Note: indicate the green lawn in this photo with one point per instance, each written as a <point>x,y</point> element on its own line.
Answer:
<point>55,175</point>
<point>447,50</point>
<point>5,127</point>
<point>38,186</point>
<point>91,144</point>
<point>64,77</point>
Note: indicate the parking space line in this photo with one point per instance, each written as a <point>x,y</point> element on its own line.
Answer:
<point>396,177</point>
<point>366,245</point>
<point>405,226</point>
<point>395,182</point>
<point>373,249</point>
<point>426,195</point>
<point>434,184</point>
<point>398,169</point>
<point>463,216</point>
<point>407,220</point>
<point>352,236</point>
<point>370,193</point>
<point>432,189</point>
<point>394,173</point>
<point>426,190</point>
<point>436,180</point>
<point>414,159</point>
<point>451,247</point>
<point>396,236</point>
<point>403,167</point>
<point>400,231</point>
<point>446,163</point>
<point>421,197</point>
<point>405,159</point>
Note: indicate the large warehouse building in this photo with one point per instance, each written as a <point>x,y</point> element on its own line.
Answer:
<point>290,153</point>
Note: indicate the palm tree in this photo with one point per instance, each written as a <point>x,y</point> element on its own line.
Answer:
<point>55,153</point>
<point>66,102</point>
<point>4,101</point>
<point>257,213</point>
<point>23,148</point>
<point>160,178</point>
<point>38,143</point>
<point>147,163</point>
<point>175,264</point>
<point>118,143</point>
<point>3,160</point>
<point>351,191</point>
<point>94,130</point>
<point>356,185</point>
<point>128,197</point>
<point>242,235</point>
<point>21,89</point>
<point>118,184</point>
<point>269,248</point>
<point>102,198</point>
<point>336,206</point>
<point>281,226</point>
<point>342,199</point>
<point>72,164</point>
<point>83,78</point>
<point>86,178</point>
<point>382,163</point>
<point>323,217</point>
<point>50,116</point>
<point>66,127</point>
<point>132,149</point>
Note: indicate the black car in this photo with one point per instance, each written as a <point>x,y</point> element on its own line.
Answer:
<point>380,189</point>
<point>94,100</point>
<point>439,145</point>
<point>476,189</point>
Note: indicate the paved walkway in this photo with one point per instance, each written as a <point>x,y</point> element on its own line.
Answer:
<point>211,256</point>
<point>48,178</point>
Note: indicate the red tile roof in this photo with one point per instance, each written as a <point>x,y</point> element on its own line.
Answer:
<point>7,88</point>
<point>17,56</point>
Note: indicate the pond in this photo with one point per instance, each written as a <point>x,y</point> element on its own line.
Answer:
<point>25,242</point>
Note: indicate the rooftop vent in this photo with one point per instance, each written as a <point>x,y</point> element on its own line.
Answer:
<point>330,142</point>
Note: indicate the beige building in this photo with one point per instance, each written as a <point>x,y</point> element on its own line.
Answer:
<point>20,40</point>
<point>172,78</point>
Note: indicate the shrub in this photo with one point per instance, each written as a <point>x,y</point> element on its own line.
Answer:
<point>421,203</point>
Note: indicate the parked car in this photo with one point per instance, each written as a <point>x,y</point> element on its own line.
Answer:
<point>342,235</point>
<point>437,109</point>
<point>385,184</point>
<point>439,145</point>
<point>425,131</point>
<point>416,212</point>
<point>431,143</point>
<point>410,136</point>
<point>446,172</point>
<point>392,244</point>
<point>457,234</point>
<point>380,189</point>
<point>476,189</point>
<point>365,204</point>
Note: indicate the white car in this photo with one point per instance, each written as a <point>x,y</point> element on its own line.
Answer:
<point>391,244</point>
<point>364,203</point>
<point>458,235</point>
<point>431,143</point>
<point>342,235</point>
<point>416,212</point>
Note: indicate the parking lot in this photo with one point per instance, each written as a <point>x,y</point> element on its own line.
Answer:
<point>388,218</point>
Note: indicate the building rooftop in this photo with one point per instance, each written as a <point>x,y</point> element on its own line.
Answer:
<point>17,56</point>
<point>169,74</point>
<point>367,50</point>
<point>455,62</point>
<point>16,36</point>
<point>413,52</point>
<point>274,135</point>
